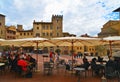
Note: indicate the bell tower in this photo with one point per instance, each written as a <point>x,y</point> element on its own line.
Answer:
<point>57,21</point>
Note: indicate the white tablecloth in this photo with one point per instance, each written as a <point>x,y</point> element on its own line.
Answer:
<point>1,64</point>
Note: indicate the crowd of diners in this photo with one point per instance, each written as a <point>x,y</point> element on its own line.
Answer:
<point>102,68</point>
<point>25,62</point>
<point>97,64</point>
<point>18,62</point>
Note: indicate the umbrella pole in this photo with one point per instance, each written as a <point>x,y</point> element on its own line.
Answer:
<point>72,54</point>
<point>110,42</point>
<point>37,54</point>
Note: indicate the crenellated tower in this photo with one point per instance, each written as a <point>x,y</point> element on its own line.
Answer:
<point>57,21</point>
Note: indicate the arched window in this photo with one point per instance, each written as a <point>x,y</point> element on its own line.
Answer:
<point>37,34</point>
<point>37,28</point>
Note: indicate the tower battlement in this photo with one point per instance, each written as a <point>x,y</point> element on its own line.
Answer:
<point>57,16</point>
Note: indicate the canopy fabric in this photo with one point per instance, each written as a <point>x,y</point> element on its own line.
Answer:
<point>74,41</point>
<point>112,38</point>
<point>77,41</point>
<point>2,41</point>
<point>29,42</point>
<point>116,54</point>
<point>76,38</point>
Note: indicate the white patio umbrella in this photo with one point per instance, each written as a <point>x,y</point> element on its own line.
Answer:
<point>29,42</point>
<point>111,39</point>
<point>1,41</point>
<point>71,41</point>
<point>116,54</point>
<point>37,41</point>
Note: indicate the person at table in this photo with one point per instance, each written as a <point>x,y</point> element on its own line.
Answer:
<point>100,59</point>
<point>14,60</point>
<point>21,62</point>
<point>96,67</point>
<point>22,67</point>
<point>111,68</point>
<point>111,63</point>
<point>85,64</point>
<point>31,60</point>
<point>84,59</point>
<point>118,65</point>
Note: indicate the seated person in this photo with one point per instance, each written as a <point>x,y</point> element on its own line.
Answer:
<point>100,59</point>
<point>85,64</point>
<point>95,67</point>
<point>111,68</point>
<point>84,59</point>
<point>111,63</point>
<point>21,62</point>
<point>32,61</point>
<point>118,66</point>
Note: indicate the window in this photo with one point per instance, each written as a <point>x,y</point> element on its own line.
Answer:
<point>57,27</point>
<point>37,34</point>
<point>7,36</point>
<point>80,48</point>
<point>47,34</point>
<point>14,33</point>
<point>37,28</point>
<point>51,34</point>
<point>46,27</point>
<point>1,32</point>
<point>20,34</point>
<point>43,27</point>
<point>51,27</point>
<point>27,33</point>
<point>24,33</point>
<point>57,20</point>
<point>57,34</point>
<point>90,49</point>
<point>43,34</point>
<point>0,24</point>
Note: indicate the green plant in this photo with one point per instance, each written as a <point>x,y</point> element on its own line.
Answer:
<point>57,50</point>
<point>101,50</point>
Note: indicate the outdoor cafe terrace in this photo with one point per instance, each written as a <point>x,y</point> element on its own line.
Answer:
<point>57,74</point>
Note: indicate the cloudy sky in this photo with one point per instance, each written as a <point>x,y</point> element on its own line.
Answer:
<point>79,16</point>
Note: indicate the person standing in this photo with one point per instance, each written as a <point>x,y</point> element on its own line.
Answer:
<point>51,55</point>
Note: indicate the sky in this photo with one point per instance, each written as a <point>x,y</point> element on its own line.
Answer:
<point>79,16</point>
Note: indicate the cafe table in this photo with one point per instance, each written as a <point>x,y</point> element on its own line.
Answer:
<point>79,69</point>
<point>1,64</point>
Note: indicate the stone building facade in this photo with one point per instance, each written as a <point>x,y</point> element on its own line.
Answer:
<point>111,28</point>
<point>43,29</point>
<point>2,26</point>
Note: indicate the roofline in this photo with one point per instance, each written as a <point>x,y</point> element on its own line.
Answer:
<point>42,22</point>
<point>25,30</point>
<point>2,15</point>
